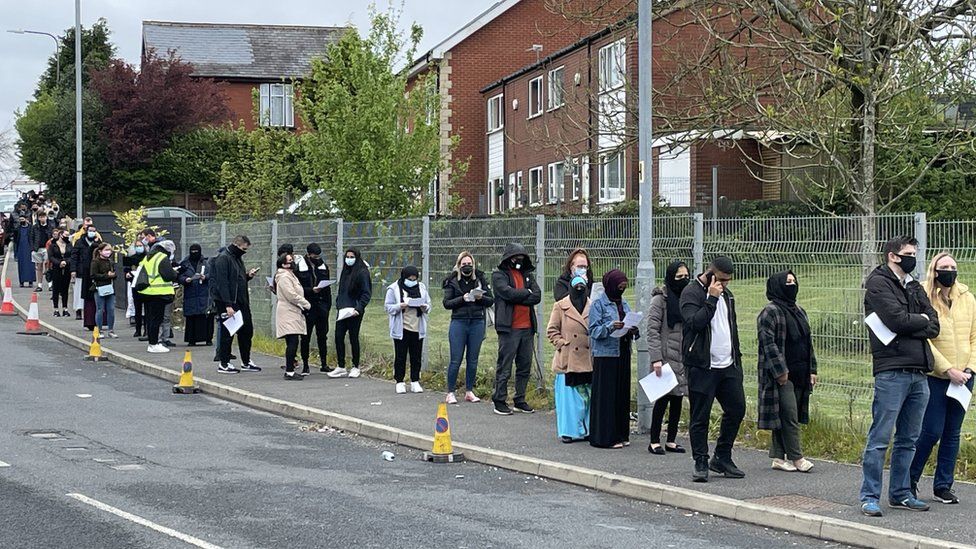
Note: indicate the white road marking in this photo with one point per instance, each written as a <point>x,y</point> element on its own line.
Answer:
<point>4,464</point>
<point>83,395</point>
<point>143,522</point>
<point>613,527</point>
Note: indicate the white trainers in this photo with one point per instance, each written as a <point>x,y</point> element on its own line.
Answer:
<point>415,387</point>
<point>783,465</point>
<point>338,372</point>
<point>401,388</point>
<point>451,399</point>
<point>158,348</point>
<point>354,372</point>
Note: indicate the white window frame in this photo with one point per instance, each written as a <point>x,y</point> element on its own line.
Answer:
<point>557,88</point>
<point>557,182</point>
<point>495,200</point>
<point>496,113</point>
<point>518,189</point>
<point>620,185</point>
<point>535,187</point>
<point>613,65</point>
<point>511,190</point>
<point>577,178</point>
<point>535,98</point>
<point>277,95</point>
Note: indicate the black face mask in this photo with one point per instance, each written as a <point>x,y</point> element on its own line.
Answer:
<point>196,255</point>
<point>678,286</point>
<point>466,270</point>
<point>946,278</point>
<point>314,260</point>
<point>791,291</point>
<point>907,263</point>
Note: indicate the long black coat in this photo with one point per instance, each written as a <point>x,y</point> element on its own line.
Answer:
<point>196,293</point>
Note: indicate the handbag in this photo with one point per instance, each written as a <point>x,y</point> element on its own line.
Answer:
<point>106,290</point>
<point>141,280</point>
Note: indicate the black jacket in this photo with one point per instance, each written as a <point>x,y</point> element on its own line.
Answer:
<point>562,287</point>
<point>228,281</point>
<point>454,290</point>
<point>81,256</point>
<point>508,296</point>
<point>697,310</point>
<point>901,309</point>
<point>309,276</point>
<point>40,234</point>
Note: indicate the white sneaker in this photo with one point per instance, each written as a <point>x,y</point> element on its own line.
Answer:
<point>401,388</point>
<point>783,465</point>
<point>338,372</point>
<point>415,387</point>
<point>158,349</point>
<point>451,399</point>
<point>354,372</point>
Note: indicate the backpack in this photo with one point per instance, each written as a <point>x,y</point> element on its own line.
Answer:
<point>140,281</point>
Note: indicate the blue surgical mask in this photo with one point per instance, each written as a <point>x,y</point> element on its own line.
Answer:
<point>350,261</point>
<point>140,249</point>
<point>580,272</point>
<point>578,281</point>
<point>92,234</point>
<point>409,283</point>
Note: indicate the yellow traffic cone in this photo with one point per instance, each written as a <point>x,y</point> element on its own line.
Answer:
<point>443,451</point>
<point>95,350</point>
<point>186,386</point>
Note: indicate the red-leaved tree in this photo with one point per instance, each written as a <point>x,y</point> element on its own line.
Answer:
<point>146,108</point>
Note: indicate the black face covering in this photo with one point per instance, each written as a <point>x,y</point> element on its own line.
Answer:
<point>784,295</point>
<point>466,270</point>
<point>907,263</point>
<point>946,278</point>
<point>675,287</point>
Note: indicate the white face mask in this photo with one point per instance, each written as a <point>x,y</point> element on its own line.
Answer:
<point>350,261</point>
<point>409,283</point>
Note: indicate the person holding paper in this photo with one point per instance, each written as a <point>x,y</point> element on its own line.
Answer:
<point>568,331</point>
<point>901,392</point>
<point>313,272</point>
<point>290,312</point>
<point>353,295</point>
<point>610,393</point>
<point>407,304</point>
<point>198,327</point>
<point>467,295</point>
<point>713,362</point>
<point>577,264</point>
<point>516,295</point>
<point>787,372</point>
<point>160,275</point>
<point>664,347</point>
<point>228,289</point>
<point>955,360</point>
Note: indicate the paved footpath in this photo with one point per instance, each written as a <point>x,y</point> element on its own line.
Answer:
<point>829,491</point>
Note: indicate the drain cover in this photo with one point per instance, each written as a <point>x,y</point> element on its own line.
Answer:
<point>796,502</point>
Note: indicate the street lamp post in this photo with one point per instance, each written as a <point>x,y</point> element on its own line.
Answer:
<point>645,264</point>
<point>57,48</point>
<point>79,209</point>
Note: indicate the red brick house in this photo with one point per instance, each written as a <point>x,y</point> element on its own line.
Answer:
<point>261,59</point>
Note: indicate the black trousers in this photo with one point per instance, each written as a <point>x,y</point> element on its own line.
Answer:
<point>705,387</point>
<point>244,336</point>
<point>291,350</point>
<point>514,346</point>
<point>138,303</point>
<point>60,284</point>
<point>413,345</point>
<point>657,417</point>
<point>348,326</point>
<point>155,310</point>
<point>318,321</point>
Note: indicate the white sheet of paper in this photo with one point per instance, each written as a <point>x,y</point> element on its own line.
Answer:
<point>656,387</point>
<point>234,323</point>
<point>475,292</point>
<point>346,312</point>
<point>203,270</point>
<point>631,320</point>
<point>961,394</point>
<point>416,302</point>
<point>882,332</point>
<point>325,284</point>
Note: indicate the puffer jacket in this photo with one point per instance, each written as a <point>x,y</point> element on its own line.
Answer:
<point>663,341</point>
<point>454,290</point>
<point>901,308</point>
<point>955,346</point>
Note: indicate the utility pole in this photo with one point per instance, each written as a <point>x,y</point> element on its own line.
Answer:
<point>57,50</point>
<point>645,264</point>
<point>79,207</point>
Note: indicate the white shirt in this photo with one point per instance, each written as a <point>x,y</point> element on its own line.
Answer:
<point>721,337</point>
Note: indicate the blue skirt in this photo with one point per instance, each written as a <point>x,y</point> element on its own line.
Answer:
<point>572,409</point>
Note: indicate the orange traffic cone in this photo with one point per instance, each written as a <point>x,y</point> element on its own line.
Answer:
<point>95,350</point>
<point>186,386</point>
<point>33,324</point>
<point>8,301</point>
<point>443,451</point>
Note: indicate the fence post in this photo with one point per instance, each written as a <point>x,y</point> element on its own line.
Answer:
<point>922,235</point>
<point>540,277</point>
<point>425,270</point>
<point>274,246</point>
<point>223,234</point>
<point>183,244</point>
<point>340,252</point>
<point>698,245</point>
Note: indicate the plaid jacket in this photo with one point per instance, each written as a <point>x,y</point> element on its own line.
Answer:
<point>772,364</point>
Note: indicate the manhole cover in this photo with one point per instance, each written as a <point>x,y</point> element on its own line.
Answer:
<point>797,502</point>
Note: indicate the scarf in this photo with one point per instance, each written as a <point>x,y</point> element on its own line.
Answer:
<point>673,294</point>
<point>577,296</point>
<point>413,293</point>
<point>611,287</point>
<point>797,327</point>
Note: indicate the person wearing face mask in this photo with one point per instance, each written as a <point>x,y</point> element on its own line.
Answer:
<point>516,295</point>
<point>193,276</point>
<point>159,292</point>
<point>40,234</point>
<point>130,263</point>
<point>664,347</point>
<point>610,393</point>
<point>408,304</point>
<point>568,331</point>
<point>81,260</point>
<point>955,362</point>
<point>290,313</point>
<point>577,264</point>
<point>311,271</point>
<point>787,372</point>
<point>103,277</point>
<point>59,257</point>
<point>468,296</point>
<point>355,291</point>
<point>901,389</point>
<point>228,290</point>
<point>79,288</point>
<point>23,249</point>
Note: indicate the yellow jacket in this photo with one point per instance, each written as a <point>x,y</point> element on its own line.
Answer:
<point>955,346</point>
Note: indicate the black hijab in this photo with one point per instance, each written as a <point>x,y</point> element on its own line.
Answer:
<point>349,279</point>
<point>673,295</point>
<point>797,326</point>
<point>413,293</point>
<point>611,287</point>
<point>577,296</point>
<point>195,256</point>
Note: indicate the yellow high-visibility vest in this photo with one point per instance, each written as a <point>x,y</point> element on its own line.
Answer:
<point>157,286</point>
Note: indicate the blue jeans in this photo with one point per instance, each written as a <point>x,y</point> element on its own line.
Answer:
<point>465,334</point>
<point>942,423</point>
<point>105,311</point>
<point>900,398</point>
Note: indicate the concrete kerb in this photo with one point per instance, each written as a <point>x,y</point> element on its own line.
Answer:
<point>825,528</point>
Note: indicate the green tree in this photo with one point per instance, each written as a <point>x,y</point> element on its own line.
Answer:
<point>96,48</point>
<point>374,148</point>
<point>259,179</point>
<point>193,160</point>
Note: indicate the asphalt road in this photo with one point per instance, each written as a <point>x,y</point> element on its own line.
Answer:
<point>133,465</point>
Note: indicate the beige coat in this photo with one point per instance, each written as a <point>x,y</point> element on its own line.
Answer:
<point>569,331</point>
<point>289,319</point>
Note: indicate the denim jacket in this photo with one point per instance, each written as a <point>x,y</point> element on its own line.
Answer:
<point>603,313</point>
